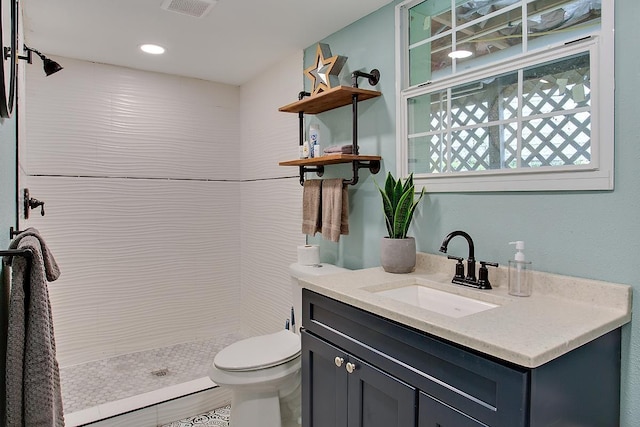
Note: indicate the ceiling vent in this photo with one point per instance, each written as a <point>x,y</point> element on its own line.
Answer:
<point>196,8</point>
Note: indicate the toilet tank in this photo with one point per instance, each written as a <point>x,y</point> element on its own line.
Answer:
<point>299,271</point>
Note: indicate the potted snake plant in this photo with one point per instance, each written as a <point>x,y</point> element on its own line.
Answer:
<point>397,251</point>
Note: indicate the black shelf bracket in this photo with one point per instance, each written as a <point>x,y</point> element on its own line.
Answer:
<point>372,165</point>
<point>373,77</point>
<point>301,96</point>
<point>319,170</point>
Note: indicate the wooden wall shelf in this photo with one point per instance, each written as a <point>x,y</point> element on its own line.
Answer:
<point>333,98</point>
<point>329,159</point>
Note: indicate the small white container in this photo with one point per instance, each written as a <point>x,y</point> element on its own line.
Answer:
<point>316,151</point>
<point>304,150</point>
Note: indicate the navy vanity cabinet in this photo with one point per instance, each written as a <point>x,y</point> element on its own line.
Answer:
<point>434,413</point>
<point>346,391</point>
<point>404,377</point>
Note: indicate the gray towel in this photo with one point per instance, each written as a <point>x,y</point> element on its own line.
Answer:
<point>335,209</point>
<point>339,149</point>
<point>33,396</point>
<point>311,206</point>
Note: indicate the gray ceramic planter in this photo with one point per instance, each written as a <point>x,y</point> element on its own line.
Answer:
<point>398,255</point>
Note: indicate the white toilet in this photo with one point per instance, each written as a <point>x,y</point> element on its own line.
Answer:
<point>263,372</point>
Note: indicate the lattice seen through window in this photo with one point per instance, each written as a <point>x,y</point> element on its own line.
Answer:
<point>492,124</point>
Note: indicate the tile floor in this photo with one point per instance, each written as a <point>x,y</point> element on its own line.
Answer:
<point>102,381</point>
<point>216,418</point>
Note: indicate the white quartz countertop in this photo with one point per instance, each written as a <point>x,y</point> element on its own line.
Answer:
<point>562,313</point>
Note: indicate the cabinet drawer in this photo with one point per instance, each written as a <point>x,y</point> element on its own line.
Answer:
<point>434,413</point>
<point>486,390</point>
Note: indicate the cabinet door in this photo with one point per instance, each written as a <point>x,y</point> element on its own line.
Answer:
<point>377,399</point>
<point>324,383</point>
<point>340,390</point>
<point>434,413</point>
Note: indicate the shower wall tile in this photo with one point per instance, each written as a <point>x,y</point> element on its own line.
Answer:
<point>271,208</point>
<point>145,263</point>
<point>269,136</point>
<point>101,120</point>
<point>271,218</point>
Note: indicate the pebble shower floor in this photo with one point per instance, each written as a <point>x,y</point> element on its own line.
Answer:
<point>94,383</point>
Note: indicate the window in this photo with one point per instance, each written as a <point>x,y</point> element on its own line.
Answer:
<point>506,95</point>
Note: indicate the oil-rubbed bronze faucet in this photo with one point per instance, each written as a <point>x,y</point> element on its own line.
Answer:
<point>470,278</point>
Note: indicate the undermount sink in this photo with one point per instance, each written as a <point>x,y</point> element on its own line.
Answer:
<point>446,303</point>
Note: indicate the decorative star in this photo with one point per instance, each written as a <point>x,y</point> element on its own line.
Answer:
<point>325,69</point>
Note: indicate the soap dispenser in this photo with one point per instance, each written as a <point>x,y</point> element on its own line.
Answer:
<point>519,272</point>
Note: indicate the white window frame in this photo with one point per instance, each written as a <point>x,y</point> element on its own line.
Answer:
<point>598,175</point>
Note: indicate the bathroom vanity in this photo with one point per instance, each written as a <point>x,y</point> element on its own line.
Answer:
<point>552,359</point>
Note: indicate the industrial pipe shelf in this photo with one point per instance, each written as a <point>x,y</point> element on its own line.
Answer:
<point>336,97</point>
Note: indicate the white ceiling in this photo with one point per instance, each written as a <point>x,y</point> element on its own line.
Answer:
<point>231,44</point>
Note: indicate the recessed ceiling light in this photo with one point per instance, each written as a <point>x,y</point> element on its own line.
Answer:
<point>459,54</point>
<point>153,49</point>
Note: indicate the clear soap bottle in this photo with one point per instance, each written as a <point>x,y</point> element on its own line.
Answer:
<point>519,272</point>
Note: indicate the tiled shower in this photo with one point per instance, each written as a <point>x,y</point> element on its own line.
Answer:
<point>165,209</point>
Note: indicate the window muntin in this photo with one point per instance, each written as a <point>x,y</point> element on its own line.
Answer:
<point>556,118</point>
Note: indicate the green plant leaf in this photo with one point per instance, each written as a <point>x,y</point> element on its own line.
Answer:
<point>386,209</point>
<point>401,215</point>
<point>388,212</point>
<point>397,195</point>
<point>408,183</point>
<point>389,185</point>
<point>411,211</point>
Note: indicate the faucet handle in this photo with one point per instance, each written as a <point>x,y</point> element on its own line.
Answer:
<point>490,264</point>
<point>483,274</point>
<point>459,267</point>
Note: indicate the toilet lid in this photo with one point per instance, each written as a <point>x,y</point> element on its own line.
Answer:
<point>259,352</point>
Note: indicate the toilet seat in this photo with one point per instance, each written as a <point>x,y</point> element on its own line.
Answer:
<point>259,352</point>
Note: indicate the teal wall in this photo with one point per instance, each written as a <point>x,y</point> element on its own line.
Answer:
<point>7,178</point>
<point>586,234</point>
